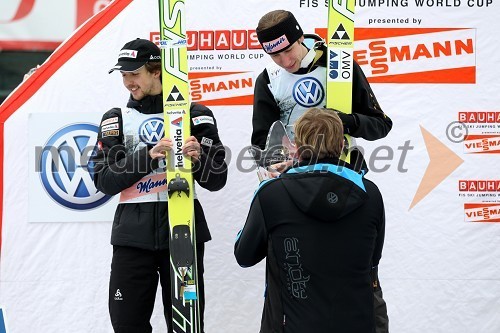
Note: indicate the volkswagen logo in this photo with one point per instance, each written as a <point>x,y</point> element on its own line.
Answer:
<point>151,131</point>
<point>332,197</point>
<point>65,167</point>
<point>308,92</point>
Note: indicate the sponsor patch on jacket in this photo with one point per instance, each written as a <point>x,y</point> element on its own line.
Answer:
<point>109,127</point>
<point>203,120</point>
<point>110,133</point>
<point>109,121</point>
<point>207,142</point>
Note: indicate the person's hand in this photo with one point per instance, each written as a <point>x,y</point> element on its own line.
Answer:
<point>192,148</point>
<point>275,170</point>
<point>349,121</point>
<point>161,148</point>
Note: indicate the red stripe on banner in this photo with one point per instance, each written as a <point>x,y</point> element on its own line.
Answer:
<point>198,75</point>
<point>29,45</point>
<point>465,75</point>
<point>65,52</point>
<point>373,33</point>
<point>238,100</point>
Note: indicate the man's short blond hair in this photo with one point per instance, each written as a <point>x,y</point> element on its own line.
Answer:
<point>272,18</point>
<point>319,133</point>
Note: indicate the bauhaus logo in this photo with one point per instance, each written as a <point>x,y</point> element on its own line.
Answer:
<point>479,185</point>
<point>479,117</point>
<point>208,40</point>
<point>66,170</point>
<point>151,131</point>
<point>308,92</point>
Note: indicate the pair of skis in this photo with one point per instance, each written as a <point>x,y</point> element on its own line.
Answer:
<point>339,71</point>
<point>177,125</point>
<point>175,86</point>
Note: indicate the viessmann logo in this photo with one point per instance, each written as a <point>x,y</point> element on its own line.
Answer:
<point>416,55</point>
<point>482,212</point>
<point>222,89</point>
<point>482,144</point>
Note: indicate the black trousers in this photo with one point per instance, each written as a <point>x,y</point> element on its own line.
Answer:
<point>133,283</point>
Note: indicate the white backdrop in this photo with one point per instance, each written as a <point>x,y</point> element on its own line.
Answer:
<point>430,66</point>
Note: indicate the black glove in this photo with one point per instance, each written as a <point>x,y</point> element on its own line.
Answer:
<point>350,122</point>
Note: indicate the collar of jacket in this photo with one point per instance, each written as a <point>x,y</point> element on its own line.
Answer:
<point>327,160</point>
<point>147,105</point>
<point>332,165</point>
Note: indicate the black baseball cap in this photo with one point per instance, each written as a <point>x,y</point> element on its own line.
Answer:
<point>136,54</point>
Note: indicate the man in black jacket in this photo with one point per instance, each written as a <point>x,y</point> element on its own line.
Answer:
<point>130,148</point>
<point>296,81</point>
<point>321,227</point>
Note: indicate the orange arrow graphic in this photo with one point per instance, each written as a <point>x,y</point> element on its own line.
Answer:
<point>442,163</point>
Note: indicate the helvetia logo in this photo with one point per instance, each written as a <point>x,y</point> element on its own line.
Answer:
<point>416,55</point>
<point>66,170</point>
<point>177,122</point>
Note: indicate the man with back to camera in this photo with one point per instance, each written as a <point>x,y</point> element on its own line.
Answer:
<point>320,226</point>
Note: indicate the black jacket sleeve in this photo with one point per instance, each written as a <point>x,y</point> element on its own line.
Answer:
<point>251,244</point>
<point>379,304</point>
<point>265,110</point>
<point>114,168</point>
<point>211,170</point>
<point>371,122</point>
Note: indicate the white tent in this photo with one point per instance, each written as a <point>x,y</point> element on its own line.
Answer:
<point>430,65</point>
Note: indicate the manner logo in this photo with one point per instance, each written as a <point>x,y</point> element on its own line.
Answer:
<point>151,131</point>
<point>308,92</point>
<point>66,170</point>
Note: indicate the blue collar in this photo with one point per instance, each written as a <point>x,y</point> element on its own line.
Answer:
<point>339,170</point>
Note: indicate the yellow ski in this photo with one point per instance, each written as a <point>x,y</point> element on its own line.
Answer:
<point>340,45</point>
<point>183,270</point>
